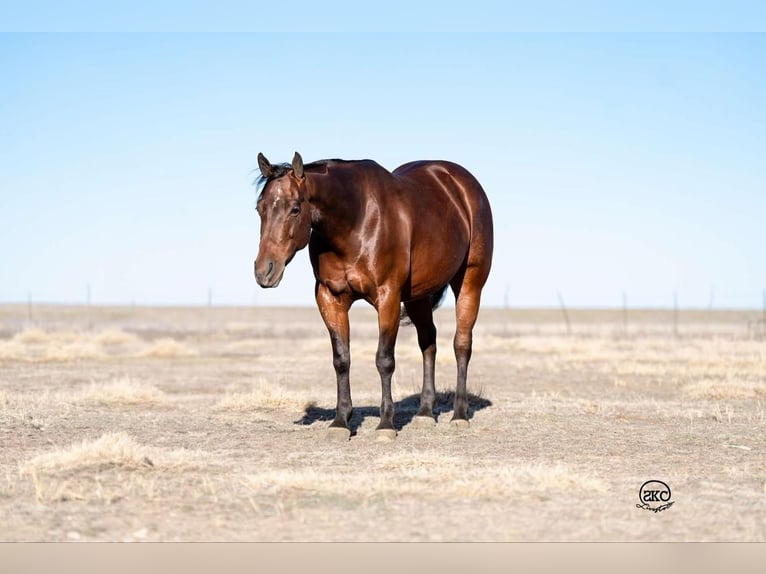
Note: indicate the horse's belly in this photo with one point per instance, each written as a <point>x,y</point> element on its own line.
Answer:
<point>435,260</point>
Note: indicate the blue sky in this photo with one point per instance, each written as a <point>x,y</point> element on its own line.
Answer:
<point>394,15</point>
<point>614,163</point>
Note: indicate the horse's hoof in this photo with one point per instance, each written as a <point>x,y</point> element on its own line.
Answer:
<point>338,434</point>
<point>423,422</point>
<point>385,435</point>
<point>460,423</point>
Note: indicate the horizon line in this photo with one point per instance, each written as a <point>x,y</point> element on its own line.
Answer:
<point>558,308</point>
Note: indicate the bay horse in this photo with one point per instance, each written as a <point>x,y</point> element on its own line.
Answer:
<point>390,238</point>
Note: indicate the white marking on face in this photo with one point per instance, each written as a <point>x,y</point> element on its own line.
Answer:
<point>277,196</point>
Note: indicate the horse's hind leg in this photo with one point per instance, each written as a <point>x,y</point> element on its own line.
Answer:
<point>467,289</point>
<point>421,314</point>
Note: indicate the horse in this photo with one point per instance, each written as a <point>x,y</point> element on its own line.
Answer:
<point>397,240</point>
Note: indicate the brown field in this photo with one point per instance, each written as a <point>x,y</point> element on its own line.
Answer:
<point>159,424</point>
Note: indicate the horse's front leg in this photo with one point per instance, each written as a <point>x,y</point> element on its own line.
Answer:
<point>388,327</point>
<point>334,311</point>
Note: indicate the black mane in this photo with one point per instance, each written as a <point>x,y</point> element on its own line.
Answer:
<point>280,169</point>
<point>277,170</point>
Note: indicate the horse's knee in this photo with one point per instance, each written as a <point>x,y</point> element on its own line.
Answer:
<point>342,362</point>
<point>462,344</point>
<point>341,356</point>
<point>385,362</point>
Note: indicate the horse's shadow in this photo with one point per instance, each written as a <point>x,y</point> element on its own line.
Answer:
<point>404,410</point>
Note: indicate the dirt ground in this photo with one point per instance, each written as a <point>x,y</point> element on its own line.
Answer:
<point>209,424</point>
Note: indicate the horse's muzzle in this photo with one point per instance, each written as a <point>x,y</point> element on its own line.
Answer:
<point>269,274</point>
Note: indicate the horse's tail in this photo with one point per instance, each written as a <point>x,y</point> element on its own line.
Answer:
<point>437,298</point>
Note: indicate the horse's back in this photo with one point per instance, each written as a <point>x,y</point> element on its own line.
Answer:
<point>440,176</point>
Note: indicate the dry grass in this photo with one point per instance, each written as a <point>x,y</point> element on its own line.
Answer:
<point>111,450</point>
<point>726,388</point>
<point>447,478</point>
<point>73,352</point>
<point>31,336</point>
<point>570,428</point>
<point>32,410</point>
<point>248,347</point>
<point>264,396</point>
<point>115,338</point>
<point>108,469</point>
<point>167,348</point>
<point>12,350</point>
<point>122,392</point>
<point>36,345</point>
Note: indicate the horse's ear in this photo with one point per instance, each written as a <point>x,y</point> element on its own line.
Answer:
<point>264,166</point>
<point>298,165</point>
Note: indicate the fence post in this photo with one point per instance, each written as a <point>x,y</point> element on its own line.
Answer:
<point>675,313</point>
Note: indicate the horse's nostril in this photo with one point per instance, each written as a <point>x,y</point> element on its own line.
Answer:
<point>271,268</point>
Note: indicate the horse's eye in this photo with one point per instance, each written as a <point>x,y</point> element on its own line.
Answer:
<point>295,210</point>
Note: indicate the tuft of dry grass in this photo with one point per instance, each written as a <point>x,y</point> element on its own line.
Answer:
<point>115,338</point>
<point>264,396</point>
<point>106,470</point>
<point>122,392</point>
<point>726,389</point>
<point>12,350</point>
<point>75,351</point>
<point>31,336</point>
<point>167,348</point>
<point>39,345</point>
<point>111,450</point>
<point>36,345</point>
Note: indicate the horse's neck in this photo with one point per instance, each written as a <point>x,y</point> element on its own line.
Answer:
<point>337,204</point>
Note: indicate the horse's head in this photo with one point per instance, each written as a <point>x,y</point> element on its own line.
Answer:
<point>285,218</point>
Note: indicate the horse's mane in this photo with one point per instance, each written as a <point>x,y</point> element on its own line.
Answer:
<point>280,169</point>
<point>277,170</point>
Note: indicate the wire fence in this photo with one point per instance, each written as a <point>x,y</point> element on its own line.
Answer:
<point>623,317</point>
<point>752,318</point>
